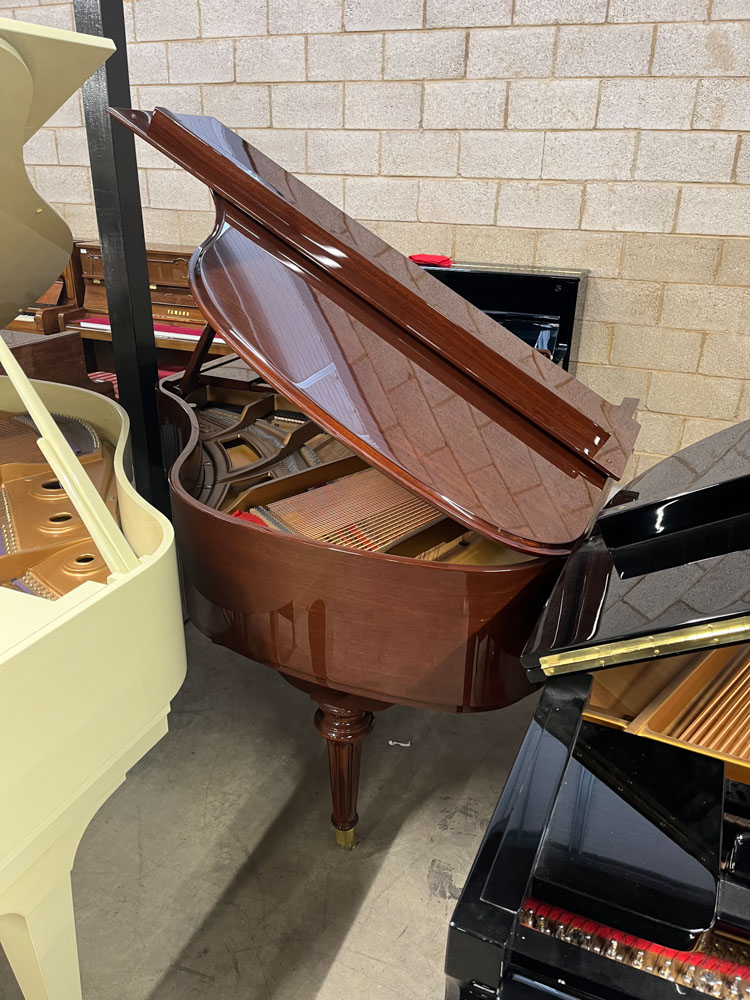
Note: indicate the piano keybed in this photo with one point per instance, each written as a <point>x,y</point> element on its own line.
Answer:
<point>718,967</point>
<point>45,549</point>
<point>269,465</point>
<point>699,700</point>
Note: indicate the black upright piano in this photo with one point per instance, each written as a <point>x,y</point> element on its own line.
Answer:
<point>617,861</point>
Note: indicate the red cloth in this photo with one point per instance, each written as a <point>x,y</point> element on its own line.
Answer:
<point>245,515</point>
<point>436,259</point>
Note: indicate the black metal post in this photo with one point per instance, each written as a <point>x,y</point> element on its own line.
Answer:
<point>118,210</point>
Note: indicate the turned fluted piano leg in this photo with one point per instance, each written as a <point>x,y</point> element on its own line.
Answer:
<point>40,945</point>
<point>344,730</point>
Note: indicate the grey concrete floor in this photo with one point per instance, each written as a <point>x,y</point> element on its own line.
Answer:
<point>212,872</point>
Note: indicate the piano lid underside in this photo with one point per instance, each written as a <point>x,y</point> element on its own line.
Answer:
<point>320,242</point>
<point>400,406</point>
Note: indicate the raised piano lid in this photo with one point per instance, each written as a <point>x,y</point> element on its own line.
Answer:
<point>666,571</point>
<point>411,376</point>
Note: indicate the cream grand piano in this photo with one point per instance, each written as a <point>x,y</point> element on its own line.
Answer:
<point>91,639</point>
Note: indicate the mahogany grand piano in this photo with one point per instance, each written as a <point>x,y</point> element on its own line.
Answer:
<point>375,496</point>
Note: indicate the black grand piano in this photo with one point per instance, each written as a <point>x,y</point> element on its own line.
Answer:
<point>617,861</point>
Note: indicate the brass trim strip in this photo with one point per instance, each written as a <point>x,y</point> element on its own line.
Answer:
<point>645,647</point>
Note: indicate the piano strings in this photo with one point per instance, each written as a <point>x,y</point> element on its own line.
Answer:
<point>700,700</point>
<point>268,464</point>
<point>18,437</point>
<point>366,511</point>
<point>722,724</point>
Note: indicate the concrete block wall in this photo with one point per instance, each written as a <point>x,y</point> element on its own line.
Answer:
<point>606,134</point>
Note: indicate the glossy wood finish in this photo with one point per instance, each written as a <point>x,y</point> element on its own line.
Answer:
<point>344,729</point>
<point>599,433</point>
<point>378,626</point>
<point>58,357</point>
<point>423,387</point>
<point>80,294</point>
<point>171,299</point>
<point>389,398</point>
<point>59,303</point>
<point>357,631</point>
<point>173,307</point>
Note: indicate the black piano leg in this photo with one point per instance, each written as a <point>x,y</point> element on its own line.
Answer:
<point>344,730</point>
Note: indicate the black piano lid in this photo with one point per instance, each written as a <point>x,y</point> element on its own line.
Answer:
<point>667,569</point>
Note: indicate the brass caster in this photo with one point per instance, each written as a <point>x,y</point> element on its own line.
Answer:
<point>346,839</point>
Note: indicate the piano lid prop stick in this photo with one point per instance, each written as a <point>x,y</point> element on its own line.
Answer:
<point>92,509</point>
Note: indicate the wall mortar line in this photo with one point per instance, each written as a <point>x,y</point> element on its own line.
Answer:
<point>673,105</point>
